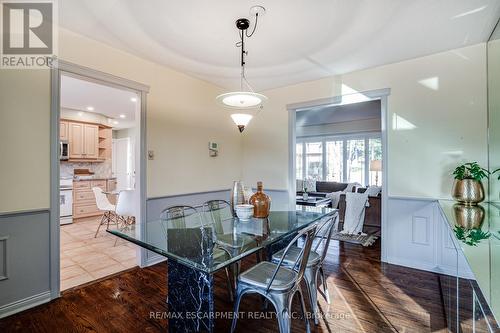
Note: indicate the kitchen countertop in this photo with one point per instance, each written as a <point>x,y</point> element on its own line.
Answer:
<point>96,178</point>
<point>482,252</point>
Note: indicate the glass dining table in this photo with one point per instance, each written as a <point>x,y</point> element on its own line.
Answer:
<point>196,250</point>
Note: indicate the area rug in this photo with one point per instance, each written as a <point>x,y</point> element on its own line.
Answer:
<point>365,240</point>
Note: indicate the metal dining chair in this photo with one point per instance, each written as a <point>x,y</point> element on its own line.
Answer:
<point>314,265</point>
<point>278,284</point>
<point>177,216</point>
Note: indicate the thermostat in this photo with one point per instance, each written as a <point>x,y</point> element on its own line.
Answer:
<point>213,149</point>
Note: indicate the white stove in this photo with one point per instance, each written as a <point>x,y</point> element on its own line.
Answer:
<point>66,200</point>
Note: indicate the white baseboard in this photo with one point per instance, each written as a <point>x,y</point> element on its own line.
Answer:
<point>414,264</point>
<point>24,304</point>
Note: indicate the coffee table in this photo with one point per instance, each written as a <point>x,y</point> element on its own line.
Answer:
<point>314,201</point>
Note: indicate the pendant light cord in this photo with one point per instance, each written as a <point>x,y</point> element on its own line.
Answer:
<point>241,44</point>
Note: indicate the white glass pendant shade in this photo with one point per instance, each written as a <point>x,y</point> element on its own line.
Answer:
<point>241,120</point>
<point>241,100</point>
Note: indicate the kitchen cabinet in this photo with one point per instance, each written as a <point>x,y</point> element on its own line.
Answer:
<point>87,142</point>
<point>63,131</point>
<point>76,144</point>
<point>91,141</point>
<point>84,203</point>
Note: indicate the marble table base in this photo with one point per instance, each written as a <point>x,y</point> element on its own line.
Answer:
<point>190,299</point>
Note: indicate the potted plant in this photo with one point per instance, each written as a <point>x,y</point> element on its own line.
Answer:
<point>305,195</point>
<point>471,237</point>
<point>467,187</point>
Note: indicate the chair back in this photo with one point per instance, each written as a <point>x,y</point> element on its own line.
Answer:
<point>324,234</point>
<point>125,203</point>
<point>101,199</point>
<point>216,211</point>
<point>181,217</point>
<point>303,256</point>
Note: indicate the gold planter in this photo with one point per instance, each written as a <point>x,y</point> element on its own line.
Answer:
<point>468,217</point>
<point>468,191</point>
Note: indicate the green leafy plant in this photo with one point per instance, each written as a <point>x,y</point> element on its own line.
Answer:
<point>470,170</point>
<point>495,171</point>
<point>470,237</point>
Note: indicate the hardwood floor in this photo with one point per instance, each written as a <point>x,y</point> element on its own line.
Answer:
<point>366,295</point>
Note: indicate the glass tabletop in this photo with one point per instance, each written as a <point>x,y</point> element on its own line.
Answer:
<point>209,241</point>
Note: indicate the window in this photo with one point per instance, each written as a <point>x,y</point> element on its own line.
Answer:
<point>334,161</point>
<point>298,160</point>
<point>375,154</point>
<point>345,159</point>
<point>355,161</point>
<point>314,160</point>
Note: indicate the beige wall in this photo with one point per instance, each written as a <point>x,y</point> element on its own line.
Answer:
<point>24,139</point>
<point>433,124</point>
<point>182,117</point>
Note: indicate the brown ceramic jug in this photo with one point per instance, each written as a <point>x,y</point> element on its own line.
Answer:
<point>261,203</point>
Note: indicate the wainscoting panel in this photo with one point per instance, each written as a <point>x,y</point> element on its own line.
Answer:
<point>410,233</point>
<point>4,265</point>
<point>420,230</point>
<point>24,260</point>
<point>418,237</point>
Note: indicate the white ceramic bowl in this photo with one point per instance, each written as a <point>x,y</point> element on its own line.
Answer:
<point>244,212</point>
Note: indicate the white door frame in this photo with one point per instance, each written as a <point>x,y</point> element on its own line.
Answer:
<point>379,94</point>
<point>58,67</point>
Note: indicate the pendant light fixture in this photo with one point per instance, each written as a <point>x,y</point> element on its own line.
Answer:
<point>245,98</point>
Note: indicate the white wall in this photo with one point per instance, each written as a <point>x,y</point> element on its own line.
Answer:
<point>445,121</point>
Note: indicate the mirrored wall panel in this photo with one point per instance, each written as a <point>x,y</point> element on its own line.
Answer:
<point>494,112</point>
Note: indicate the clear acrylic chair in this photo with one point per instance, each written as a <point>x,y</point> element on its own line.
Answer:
<point>278,284</point>
<point>315,262</point>
<point>189,217</point>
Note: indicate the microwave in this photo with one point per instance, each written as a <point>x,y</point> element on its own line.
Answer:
<point>63,151</point>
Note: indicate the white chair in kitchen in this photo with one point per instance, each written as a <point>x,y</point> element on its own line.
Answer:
<point>125,213</point>
<point>105,206</point>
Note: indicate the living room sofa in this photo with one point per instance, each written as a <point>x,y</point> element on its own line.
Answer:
<point>373,213</point>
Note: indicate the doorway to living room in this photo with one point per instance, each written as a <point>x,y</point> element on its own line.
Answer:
<point>337,158</point>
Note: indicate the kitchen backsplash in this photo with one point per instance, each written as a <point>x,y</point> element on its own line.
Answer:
<point>101,170</point>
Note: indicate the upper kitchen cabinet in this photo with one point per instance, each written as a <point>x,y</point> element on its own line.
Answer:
<point>63,131</point>
<point>75,137</point>
<point>88,142</point>
<point>91,141</point>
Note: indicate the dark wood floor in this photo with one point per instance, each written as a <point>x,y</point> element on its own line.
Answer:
<point>367,296</point>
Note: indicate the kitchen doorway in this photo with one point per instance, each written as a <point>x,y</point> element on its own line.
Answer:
<point>97,119</point>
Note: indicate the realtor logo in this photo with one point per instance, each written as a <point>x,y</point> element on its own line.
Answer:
<point>27,34</point>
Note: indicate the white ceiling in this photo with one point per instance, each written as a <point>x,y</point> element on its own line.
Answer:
<point>77,94</point>
<point>297,40</point>
<point>339,114</point>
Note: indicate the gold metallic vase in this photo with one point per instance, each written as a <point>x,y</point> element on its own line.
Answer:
<point>468,191</point>
<point>468,217</point>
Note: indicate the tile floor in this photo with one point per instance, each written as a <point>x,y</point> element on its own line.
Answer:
<point>85,258</point>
